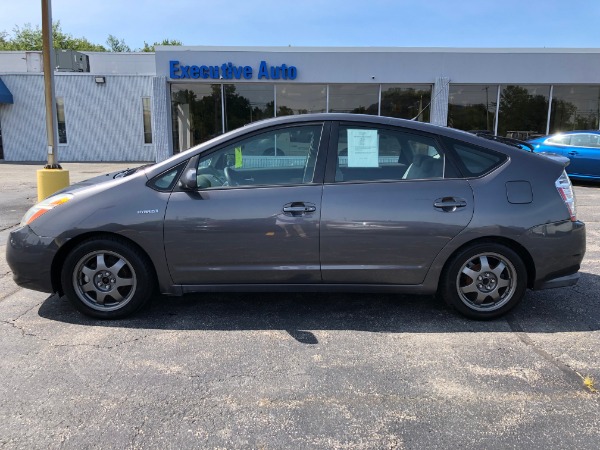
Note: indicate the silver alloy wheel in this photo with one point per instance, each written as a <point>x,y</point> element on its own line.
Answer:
<point>486,282</point>
<point>104,280</point>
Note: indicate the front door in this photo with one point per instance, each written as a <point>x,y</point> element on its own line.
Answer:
<point>255,215</point>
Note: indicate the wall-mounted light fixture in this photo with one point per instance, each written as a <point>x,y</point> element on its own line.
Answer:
<point>100,80</point>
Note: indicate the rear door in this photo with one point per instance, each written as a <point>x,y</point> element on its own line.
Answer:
<point>391,202</point>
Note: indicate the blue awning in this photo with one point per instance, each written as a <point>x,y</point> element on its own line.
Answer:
<point>5,95</point>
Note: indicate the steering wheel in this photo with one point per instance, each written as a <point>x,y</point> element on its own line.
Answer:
<point>228,178</point>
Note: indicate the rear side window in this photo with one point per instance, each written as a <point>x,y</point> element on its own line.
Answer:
<point>476,161</point>
<point>380,154</point>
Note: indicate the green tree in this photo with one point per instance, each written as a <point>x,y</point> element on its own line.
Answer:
<point>150,48</point>
<point>30,38</point>
<point>116,45</point>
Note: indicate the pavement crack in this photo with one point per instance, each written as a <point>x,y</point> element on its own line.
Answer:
<point>570,373</point>
<point>24,332</point>
<point>138,432</point>
<point>6,295</point>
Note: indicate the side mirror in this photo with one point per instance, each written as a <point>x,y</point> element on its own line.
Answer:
<point>188,180</point>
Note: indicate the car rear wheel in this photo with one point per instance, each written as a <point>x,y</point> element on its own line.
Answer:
<point>107,278</point>
<point>484,281</point>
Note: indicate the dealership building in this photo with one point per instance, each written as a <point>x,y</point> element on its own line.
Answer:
<point>148,106</point>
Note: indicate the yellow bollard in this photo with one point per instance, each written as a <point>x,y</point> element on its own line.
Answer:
<point>50,181</point>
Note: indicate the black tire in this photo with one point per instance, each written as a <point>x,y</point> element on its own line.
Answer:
<point>484,281</point>
<point>107,278</point>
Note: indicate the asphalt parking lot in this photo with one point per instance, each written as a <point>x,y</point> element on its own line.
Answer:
<point>297,370</point>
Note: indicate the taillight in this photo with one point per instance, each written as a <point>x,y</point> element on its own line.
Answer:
<point>565,189</point>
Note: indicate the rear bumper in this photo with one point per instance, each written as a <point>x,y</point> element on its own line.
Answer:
<point>567,280</point>
<point>557,250</point>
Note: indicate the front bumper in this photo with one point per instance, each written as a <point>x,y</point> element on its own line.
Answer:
<point>30,256</point>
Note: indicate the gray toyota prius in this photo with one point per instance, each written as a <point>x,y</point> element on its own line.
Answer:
<point>325,202</point>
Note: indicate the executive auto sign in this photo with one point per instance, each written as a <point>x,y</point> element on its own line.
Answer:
<point>229,71</point>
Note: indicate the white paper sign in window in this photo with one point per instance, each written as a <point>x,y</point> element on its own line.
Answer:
<point>363,148</point>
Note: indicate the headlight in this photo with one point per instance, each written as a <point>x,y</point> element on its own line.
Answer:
<point>44,206</point>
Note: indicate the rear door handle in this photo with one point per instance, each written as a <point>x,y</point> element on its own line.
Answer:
<point>573,153</point>
<point>449,204</point>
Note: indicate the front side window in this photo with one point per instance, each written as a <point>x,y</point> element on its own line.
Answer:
<point>372,154</point>
<point>61,120</point>
<point>281,157</point>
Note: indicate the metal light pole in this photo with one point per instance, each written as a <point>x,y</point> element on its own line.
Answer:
<point>51,178</point>
<point>49,64</point>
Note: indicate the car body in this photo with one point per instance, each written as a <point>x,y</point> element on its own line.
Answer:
<point>581,147</point>
<point>351,203</point>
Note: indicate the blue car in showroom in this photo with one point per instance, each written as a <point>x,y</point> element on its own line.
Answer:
<point>581,147</point>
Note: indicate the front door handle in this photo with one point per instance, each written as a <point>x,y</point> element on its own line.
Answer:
<point>449,204</point>
<point>573,153</point>
<point>299,208</point>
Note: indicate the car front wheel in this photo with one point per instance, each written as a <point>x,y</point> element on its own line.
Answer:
<point>107,278</point>
<point>484,281</point>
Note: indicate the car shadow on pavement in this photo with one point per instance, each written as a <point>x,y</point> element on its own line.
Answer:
<point>559,310</point>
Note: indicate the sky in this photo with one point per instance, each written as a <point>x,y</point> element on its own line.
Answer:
<point>323,23</point>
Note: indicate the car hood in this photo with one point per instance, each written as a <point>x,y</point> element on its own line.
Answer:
<point>108,178</point>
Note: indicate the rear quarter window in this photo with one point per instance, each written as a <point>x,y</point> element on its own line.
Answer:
<point>476,161</point>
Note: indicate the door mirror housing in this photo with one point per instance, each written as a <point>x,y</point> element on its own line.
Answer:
<point>188,179</point>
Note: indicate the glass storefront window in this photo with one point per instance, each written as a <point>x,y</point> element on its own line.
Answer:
<point>196,114</point>
<point>61,120</point>
<point>354,98</point>
<point>301,99</point>
<point>147,116</point>
<point>523,111</point>
<point>406,101</point>
<point>472,107</point>
<point>246,103</point>
<point>575,108</point>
